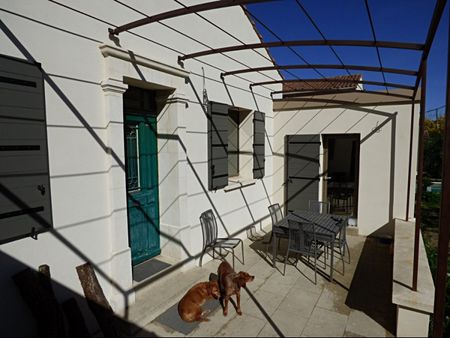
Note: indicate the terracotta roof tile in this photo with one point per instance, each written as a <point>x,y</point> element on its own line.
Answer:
<point>345,82</point>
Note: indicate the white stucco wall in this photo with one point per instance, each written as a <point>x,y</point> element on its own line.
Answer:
<point>384,156</point>
<point>83,94</point>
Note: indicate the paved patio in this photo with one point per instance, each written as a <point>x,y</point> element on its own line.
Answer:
<point>355,304</point>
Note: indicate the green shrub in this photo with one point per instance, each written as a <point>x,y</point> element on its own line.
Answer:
<point>431,204</point>
<point>432,259</point>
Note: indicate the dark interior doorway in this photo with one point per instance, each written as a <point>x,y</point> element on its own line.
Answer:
<point>341,165</point>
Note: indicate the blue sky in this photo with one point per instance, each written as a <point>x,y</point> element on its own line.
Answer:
<point>394,20</point>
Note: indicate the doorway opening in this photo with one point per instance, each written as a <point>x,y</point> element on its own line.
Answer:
<point>341,168</point>
<point>141,162</point>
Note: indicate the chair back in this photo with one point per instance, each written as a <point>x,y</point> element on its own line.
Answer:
<point>300,240</point>
<point>319,207</point>
<point>276,214</point>
<point>342,236</point>
<point>209,228</point>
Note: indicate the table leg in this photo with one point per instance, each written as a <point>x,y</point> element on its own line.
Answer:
<point>331,260</point>
<point>274,248</point>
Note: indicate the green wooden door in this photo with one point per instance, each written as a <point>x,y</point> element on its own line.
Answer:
<point>141,153</point>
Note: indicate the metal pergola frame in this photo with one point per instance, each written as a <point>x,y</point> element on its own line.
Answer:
<point>312,92</point>
<point>375,83</point>
<point>344,104</point>
<point>323,66</point>
<point>180,12</point>
<point>300,43</point>
<point>420,79</point>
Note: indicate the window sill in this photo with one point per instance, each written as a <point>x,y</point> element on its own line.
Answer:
<point>238,183</point>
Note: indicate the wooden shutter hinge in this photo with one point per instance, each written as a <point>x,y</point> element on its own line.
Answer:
<point>34,234</point>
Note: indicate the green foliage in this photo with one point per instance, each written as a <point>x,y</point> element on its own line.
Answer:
<point>434,138</point>
<point>426,181</point>
<point>431,203</point>
<point>432,259</point>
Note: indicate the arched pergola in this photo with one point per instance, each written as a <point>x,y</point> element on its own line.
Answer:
<point>420,77</point>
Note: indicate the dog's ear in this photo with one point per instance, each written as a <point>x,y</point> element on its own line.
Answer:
<point>241,279</point>
<point>214,288</point>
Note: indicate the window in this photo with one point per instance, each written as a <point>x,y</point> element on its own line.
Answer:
<point>25,203</point>
<point>132,154</point>
<point>235,145</point>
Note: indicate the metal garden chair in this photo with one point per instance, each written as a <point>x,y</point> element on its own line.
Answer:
<point>211,241</point>
<point>278,220</point>
<point>341,243</point>
<point>320,208</point>
<point>304,243</point>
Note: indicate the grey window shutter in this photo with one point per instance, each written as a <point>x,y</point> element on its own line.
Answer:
<point>25,204</point>
<point>259,133</point>
<point>217,145</point>
<point>303,171</point>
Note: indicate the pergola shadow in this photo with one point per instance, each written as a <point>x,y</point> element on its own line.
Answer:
<point>371,288</point>
<point>367,276</point>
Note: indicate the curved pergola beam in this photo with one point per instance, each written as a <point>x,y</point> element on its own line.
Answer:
<point>375,83</point>
<point>298,43</point>
<point>341,103</point>
<point>180,12</point>
<point>322,66</point>
<point>343,91</point>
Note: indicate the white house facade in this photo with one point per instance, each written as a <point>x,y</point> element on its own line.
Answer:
<point>105,96</point>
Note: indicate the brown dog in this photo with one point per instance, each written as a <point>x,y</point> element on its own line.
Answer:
<point>230,283</point>
<point>190,306</point>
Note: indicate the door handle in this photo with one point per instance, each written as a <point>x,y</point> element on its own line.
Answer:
<point>41,189</point>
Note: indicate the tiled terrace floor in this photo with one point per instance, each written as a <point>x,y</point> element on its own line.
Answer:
<point>355,304</point>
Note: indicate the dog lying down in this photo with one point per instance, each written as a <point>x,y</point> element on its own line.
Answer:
<point>190,306</point>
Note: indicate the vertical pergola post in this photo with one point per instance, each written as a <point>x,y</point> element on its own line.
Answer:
<point>419,180</point>
<point>444,221</point>
<point>411,140</point>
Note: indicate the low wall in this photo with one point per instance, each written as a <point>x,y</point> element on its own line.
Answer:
<point>413,307</point>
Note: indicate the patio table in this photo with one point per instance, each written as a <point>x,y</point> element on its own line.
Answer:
<point>326,226</point>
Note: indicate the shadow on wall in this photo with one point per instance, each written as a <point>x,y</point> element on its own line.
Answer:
<point>371,289</point>
<point>6,273</point>
<point>9,303</point>
<point>26,324</point>
<point>92,132</point>
<point>389,118</point>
